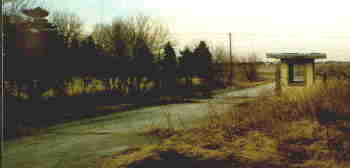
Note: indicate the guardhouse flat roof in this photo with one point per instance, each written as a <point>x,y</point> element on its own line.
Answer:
<point>297,55</point>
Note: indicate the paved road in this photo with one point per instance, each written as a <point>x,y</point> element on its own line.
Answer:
<point>80,144</point>
<point>252,92</point>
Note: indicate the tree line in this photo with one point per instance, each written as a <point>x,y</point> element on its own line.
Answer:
<point>134,58</point>
<point>131,56</point>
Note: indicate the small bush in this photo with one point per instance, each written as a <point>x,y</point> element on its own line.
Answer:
<point>324,103</point>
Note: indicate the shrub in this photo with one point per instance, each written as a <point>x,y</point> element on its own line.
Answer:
<point>324,103</point>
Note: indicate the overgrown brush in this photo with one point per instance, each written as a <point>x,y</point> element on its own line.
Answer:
<point>333,71</point>
<point>275,131</point>
<point>308,125</point>
<point>324,103</point>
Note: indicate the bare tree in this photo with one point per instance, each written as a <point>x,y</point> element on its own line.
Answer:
<point>14,7</point>
<point>121,39</point>
<point>219,54</point>
<point>143,27</point>
<point>101,34</point>
<point>249,67</point>
<point>131,29</point>
<point>69,24</point>
<point>221,67</point>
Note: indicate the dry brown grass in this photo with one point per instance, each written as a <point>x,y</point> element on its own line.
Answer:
<point>306,128</point>
<point>247,84</point>
<point>310,103</point>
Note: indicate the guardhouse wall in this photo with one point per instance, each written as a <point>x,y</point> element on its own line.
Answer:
<point>282,75</point>
<point>309,74</point>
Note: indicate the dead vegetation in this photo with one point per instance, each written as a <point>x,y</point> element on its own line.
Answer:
<point>308,128</point>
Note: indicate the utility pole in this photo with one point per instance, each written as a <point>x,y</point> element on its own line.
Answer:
<point>103,9</point>
<point>231,60</point>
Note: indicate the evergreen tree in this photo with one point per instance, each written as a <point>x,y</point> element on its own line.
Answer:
<point>204,69</point>
<point>74,47</point>
<point>57,43</point>
<point>143,63</point>
<point>88,47</point>
<point>88,58</point>
<point>187,65</point>
<point>203,58</point>
<point>57,50</point>
<point>170,65</point>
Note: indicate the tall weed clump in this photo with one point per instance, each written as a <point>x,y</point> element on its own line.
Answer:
<point>324,103</point>
<point>271,131</point>
<point>306,125</point>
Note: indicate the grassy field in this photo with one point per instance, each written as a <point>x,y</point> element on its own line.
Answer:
<point>306,129</point>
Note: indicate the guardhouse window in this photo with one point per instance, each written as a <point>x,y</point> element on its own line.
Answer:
<point>296,73</point>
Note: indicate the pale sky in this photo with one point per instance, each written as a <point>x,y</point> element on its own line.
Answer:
<point>257,25</point>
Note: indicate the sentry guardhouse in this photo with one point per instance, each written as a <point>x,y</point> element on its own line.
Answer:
<point>295,69</point>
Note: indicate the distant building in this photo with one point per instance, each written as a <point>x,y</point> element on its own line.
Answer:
<point>295,69</point>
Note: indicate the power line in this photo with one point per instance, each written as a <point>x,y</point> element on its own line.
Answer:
<point>231,60</point>
<point>256,35</point>
<point>195,33</point>
<point>102,12</point>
